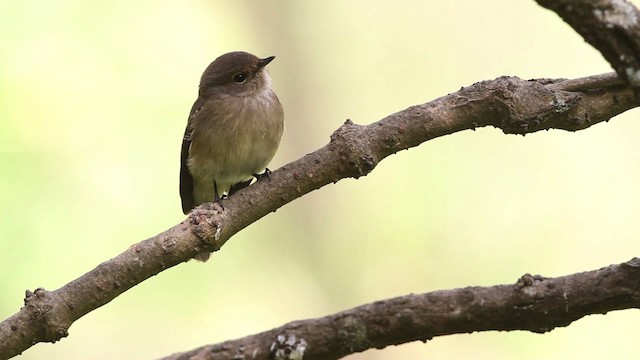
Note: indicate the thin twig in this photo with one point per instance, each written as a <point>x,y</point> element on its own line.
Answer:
<point>588,83</point>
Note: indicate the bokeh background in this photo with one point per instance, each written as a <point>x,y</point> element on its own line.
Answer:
<point>94,100</point>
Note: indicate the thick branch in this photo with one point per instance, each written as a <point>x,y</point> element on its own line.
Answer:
<point>516,106</point>
<point>611,26</point>
<point>534,303</point>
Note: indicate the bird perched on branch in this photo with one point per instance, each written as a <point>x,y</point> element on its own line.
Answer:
<point>233,130</point>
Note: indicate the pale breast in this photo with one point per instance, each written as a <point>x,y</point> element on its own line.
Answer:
<point>234,138</point>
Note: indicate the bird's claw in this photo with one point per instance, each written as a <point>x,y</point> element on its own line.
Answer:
<point>266,173</point>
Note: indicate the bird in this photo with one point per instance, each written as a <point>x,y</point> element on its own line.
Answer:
<point>233,130</point>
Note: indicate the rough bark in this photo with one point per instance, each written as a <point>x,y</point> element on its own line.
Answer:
<point>533,303</point>
<point>611,26</point>
<point>516,106</point>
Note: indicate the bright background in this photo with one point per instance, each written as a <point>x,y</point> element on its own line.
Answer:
<point>94,100</point>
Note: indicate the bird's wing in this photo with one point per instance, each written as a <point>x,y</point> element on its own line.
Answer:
<point>186,180</point>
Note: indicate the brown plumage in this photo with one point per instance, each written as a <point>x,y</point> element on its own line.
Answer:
<point>233,131</point>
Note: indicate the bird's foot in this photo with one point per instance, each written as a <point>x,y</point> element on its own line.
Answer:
<point>265,174</point>
<point>218,200</point>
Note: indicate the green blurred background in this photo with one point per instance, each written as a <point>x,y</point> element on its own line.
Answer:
<point>94,102</point>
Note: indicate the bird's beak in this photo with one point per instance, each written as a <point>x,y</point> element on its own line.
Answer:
<point>265,61</point>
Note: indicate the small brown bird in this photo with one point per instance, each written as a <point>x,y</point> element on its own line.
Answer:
<point>233,130</point>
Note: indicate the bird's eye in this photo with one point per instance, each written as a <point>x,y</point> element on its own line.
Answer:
<point>240,78</point>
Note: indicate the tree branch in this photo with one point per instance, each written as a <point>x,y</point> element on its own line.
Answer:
<point>611,26</point>
<point>516,106</point>
<point>533,303</point>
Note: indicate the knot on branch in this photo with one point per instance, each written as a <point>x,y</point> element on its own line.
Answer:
<point>356,155</point>
<point>205,223</point>
<point>526,285</point>
<point>531,106</point>
<point>49,323</point>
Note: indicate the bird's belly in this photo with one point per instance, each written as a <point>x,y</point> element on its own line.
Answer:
<point>233,150</point>
<point>229,159</point>
<point>214,174</point>
<point>240,163</point>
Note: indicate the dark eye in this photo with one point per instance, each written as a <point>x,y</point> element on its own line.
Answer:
<point>240,78</point>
